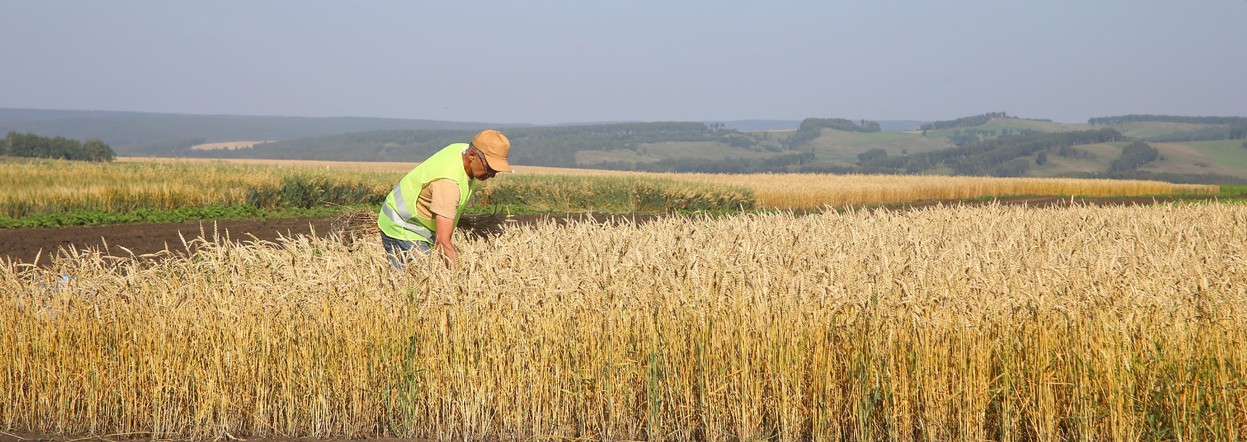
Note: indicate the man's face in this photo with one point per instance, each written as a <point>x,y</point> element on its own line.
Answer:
<point>480,166</point>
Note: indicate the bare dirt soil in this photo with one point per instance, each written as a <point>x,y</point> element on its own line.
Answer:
<point>25,245</point>
<point>38,245</point>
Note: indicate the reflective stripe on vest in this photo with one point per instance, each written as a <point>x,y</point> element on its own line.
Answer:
<point>401,203</point>
<point>402,222</point>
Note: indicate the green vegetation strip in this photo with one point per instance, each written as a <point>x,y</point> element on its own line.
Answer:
<point>308,191</point>
<point>1233,191</point>
<point>554,193</point>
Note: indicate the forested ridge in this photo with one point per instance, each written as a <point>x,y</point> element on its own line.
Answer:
<point>34,146</point>
<point>971,121</point>
<point>1218,128</point>
<point>1002,156</point>
<point>544,146</point>
<point>978,149</point>
<point>557,146</point>
<point>1136,118</point>
<point>993,143</point>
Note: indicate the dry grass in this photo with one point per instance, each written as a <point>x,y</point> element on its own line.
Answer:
<point>987,323</point>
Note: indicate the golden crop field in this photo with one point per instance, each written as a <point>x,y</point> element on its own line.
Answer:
<point>42,186</point>
<point>818,191</point>
<point>951,323</point>
<point>814,191</point>
<point>170,183</point>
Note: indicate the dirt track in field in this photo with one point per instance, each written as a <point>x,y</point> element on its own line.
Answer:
<point>25,245</point>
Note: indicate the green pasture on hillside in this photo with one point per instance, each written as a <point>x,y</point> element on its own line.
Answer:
<point>1090,158</point>
<point>1226,153</point>
<point>1014,124</point>
<point>1131,129</point>
<point>653,152</point>
<point>1041,126</point>
<point>845,146</point>
<point>1155,128</point>
<point>699,149</point>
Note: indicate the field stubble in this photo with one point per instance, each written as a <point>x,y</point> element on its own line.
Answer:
<point>994,322</point>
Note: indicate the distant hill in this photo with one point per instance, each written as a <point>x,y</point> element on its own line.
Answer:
<point>1186,149</point>
<point>757,125</point>
<point>998,145</point>
<point>139,133</point>
<point>900,125</point>
<point>536,146</point>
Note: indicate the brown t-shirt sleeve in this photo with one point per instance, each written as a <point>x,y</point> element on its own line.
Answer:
<point>443,198</point>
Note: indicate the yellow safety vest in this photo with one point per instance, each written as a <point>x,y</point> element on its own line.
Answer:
<point>399,218</point>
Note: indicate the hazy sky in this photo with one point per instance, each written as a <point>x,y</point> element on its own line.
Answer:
<point>578,61</point>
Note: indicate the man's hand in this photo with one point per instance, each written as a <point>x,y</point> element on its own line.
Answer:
<point>441,240</point>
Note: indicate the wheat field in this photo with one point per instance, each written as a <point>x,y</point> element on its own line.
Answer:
<point>187,181</point>
<point>53,186</point>
<point>818,191</point>
<point>944,323</point>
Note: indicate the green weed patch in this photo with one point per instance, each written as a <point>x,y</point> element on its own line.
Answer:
<point>551,193</point>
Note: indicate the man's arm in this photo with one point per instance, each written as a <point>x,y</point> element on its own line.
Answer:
<point>443,207</point>
<point>441,239</point>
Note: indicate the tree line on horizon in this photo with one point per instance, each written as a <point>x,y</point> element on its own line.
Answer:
<point>1143,118</point>
<point>35,146</point>
<point>1221,128</point>
<point>970,121</point>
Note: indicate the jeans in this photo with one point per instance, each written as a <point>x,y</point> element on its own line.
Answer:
<point>398,251</point>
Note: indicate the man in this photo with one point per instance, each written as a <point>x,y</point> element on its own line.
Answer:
<point>422,211</point>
